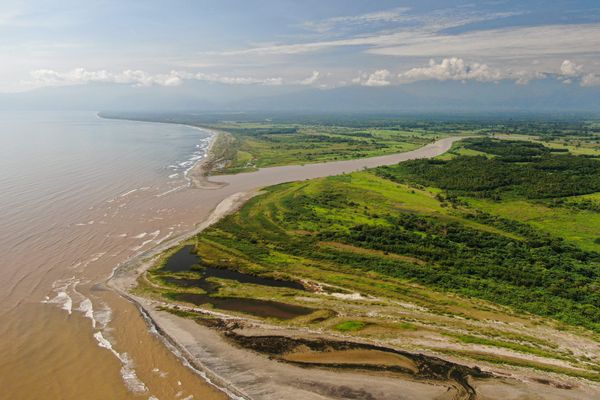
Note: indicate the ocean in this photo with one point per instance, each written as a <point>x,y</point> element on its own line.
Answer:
<point>80,195</point>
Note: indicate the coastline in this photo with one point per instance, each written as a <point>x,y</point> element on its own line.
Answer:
<point>167,326</point>
<point>236,371</point>
<point>200,171</point>
<point>124,278</point>
<point>241,373</point>
<point>197,174</point>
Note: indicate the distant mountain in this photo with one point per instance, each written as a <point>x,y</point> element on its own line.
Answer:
<point>544,96</point>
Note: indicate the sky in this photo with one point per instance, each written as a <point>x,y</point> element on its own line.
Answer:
<point>323,45</point>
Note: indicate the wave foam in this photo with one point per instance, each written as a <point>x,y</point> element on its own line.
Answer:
<point>62,298</point>
<point>133,383</point>
<point>87,309</point>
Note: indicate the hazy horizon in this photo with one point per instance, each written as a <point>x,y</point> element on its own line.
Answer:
<point>403,56</point>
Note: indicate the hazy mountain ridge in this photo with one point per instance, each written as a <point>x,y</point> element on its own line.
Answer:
<point>417,97</point>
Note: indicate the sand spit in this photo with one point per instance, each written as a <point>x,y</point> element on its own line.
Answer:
<point>198,174</point>
<point>229,351</point>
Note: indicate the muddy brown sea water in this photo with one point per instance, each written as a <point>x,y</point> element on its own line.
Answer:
<point>82,195</point>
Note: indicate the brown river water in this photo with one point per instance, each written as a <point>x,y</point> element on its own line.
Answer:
<point>81,195</point>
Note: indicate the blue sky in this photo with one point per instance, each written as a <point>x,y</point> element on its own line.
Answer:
<point>320,44</point>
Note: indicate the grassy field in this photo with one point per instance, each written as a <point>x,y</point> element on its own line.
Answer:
<point>261,144</point>
<point>376,293</point>
<point>496,275</point>
<point>258,145</point>
<point>574,218</point>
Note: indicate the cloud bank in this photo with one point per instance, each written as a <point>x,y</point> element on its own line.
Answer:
<point>454,69</point>
<point>78,76</point>
<point>448,69</point>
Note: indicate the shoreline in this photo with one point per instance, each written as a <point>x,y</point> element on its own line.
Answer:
<point>124,276</point>
<point>234,370</point>
<point>197,174</point>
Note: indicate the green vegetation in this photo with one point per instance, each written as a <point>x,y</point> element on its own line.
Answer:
<point>258,140</point>
<point>591,375</point>
<point>518,169</point>
<point>495,231</point>
<point>348,326</point>
<point>255,145</point>
<point>418,238</point>
<point>471,339</point>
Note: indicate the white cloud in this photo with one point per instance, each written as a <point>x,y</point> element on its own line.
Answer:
<point>590,80</point>
<point>507,43</point>
<point>236,80</point>
<point>325,25</point>
<point>570,71</point>
<point>454,69</point>
<point>569,68</point>
<point>314,77</point>
<point>402,17</point>
<point>77,76</point>
<point>377,78</point>
<point>48,77</point>
<point>524,77</point>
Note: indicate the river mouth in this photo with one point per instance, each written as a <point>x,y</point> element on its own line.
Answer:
<point>178,267</point>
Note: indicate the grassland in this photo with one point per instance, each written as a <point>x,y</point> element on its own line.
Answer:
<point>256,145</point>
<point>456,281</point>
<point>490,252</point>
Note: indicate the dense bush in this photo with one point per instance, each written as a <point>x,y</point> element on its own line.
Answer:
<point>543,175</point>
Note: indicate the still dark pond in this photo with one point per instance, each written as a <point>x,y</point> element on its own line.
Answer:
<point>184,259</point>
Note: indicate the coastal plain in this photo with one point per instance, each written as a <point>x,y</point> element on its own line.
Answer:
<point>286,282</point>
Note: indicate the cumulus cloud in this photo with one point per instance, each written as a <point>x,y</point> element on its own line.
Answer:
<point>48,77</point>
<point>455,69</point>
<point>570,69</point>
<point>77,76</point>
<point>524,77</point>
<point>312,79</point>
<point>377,78</point>
<point>590,80</point>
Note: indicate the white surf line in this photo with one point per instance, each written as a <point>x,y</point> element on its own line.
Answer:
<point>87,308</point>
<point>171,191</point>
<point>132,382</point>
<point>153,237</point>
<point>95,257</point>
<point>200,155</point>
<point>168,235</point>
<point>129,192</point>
<point>62,298</point>
<point>228,205</point>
